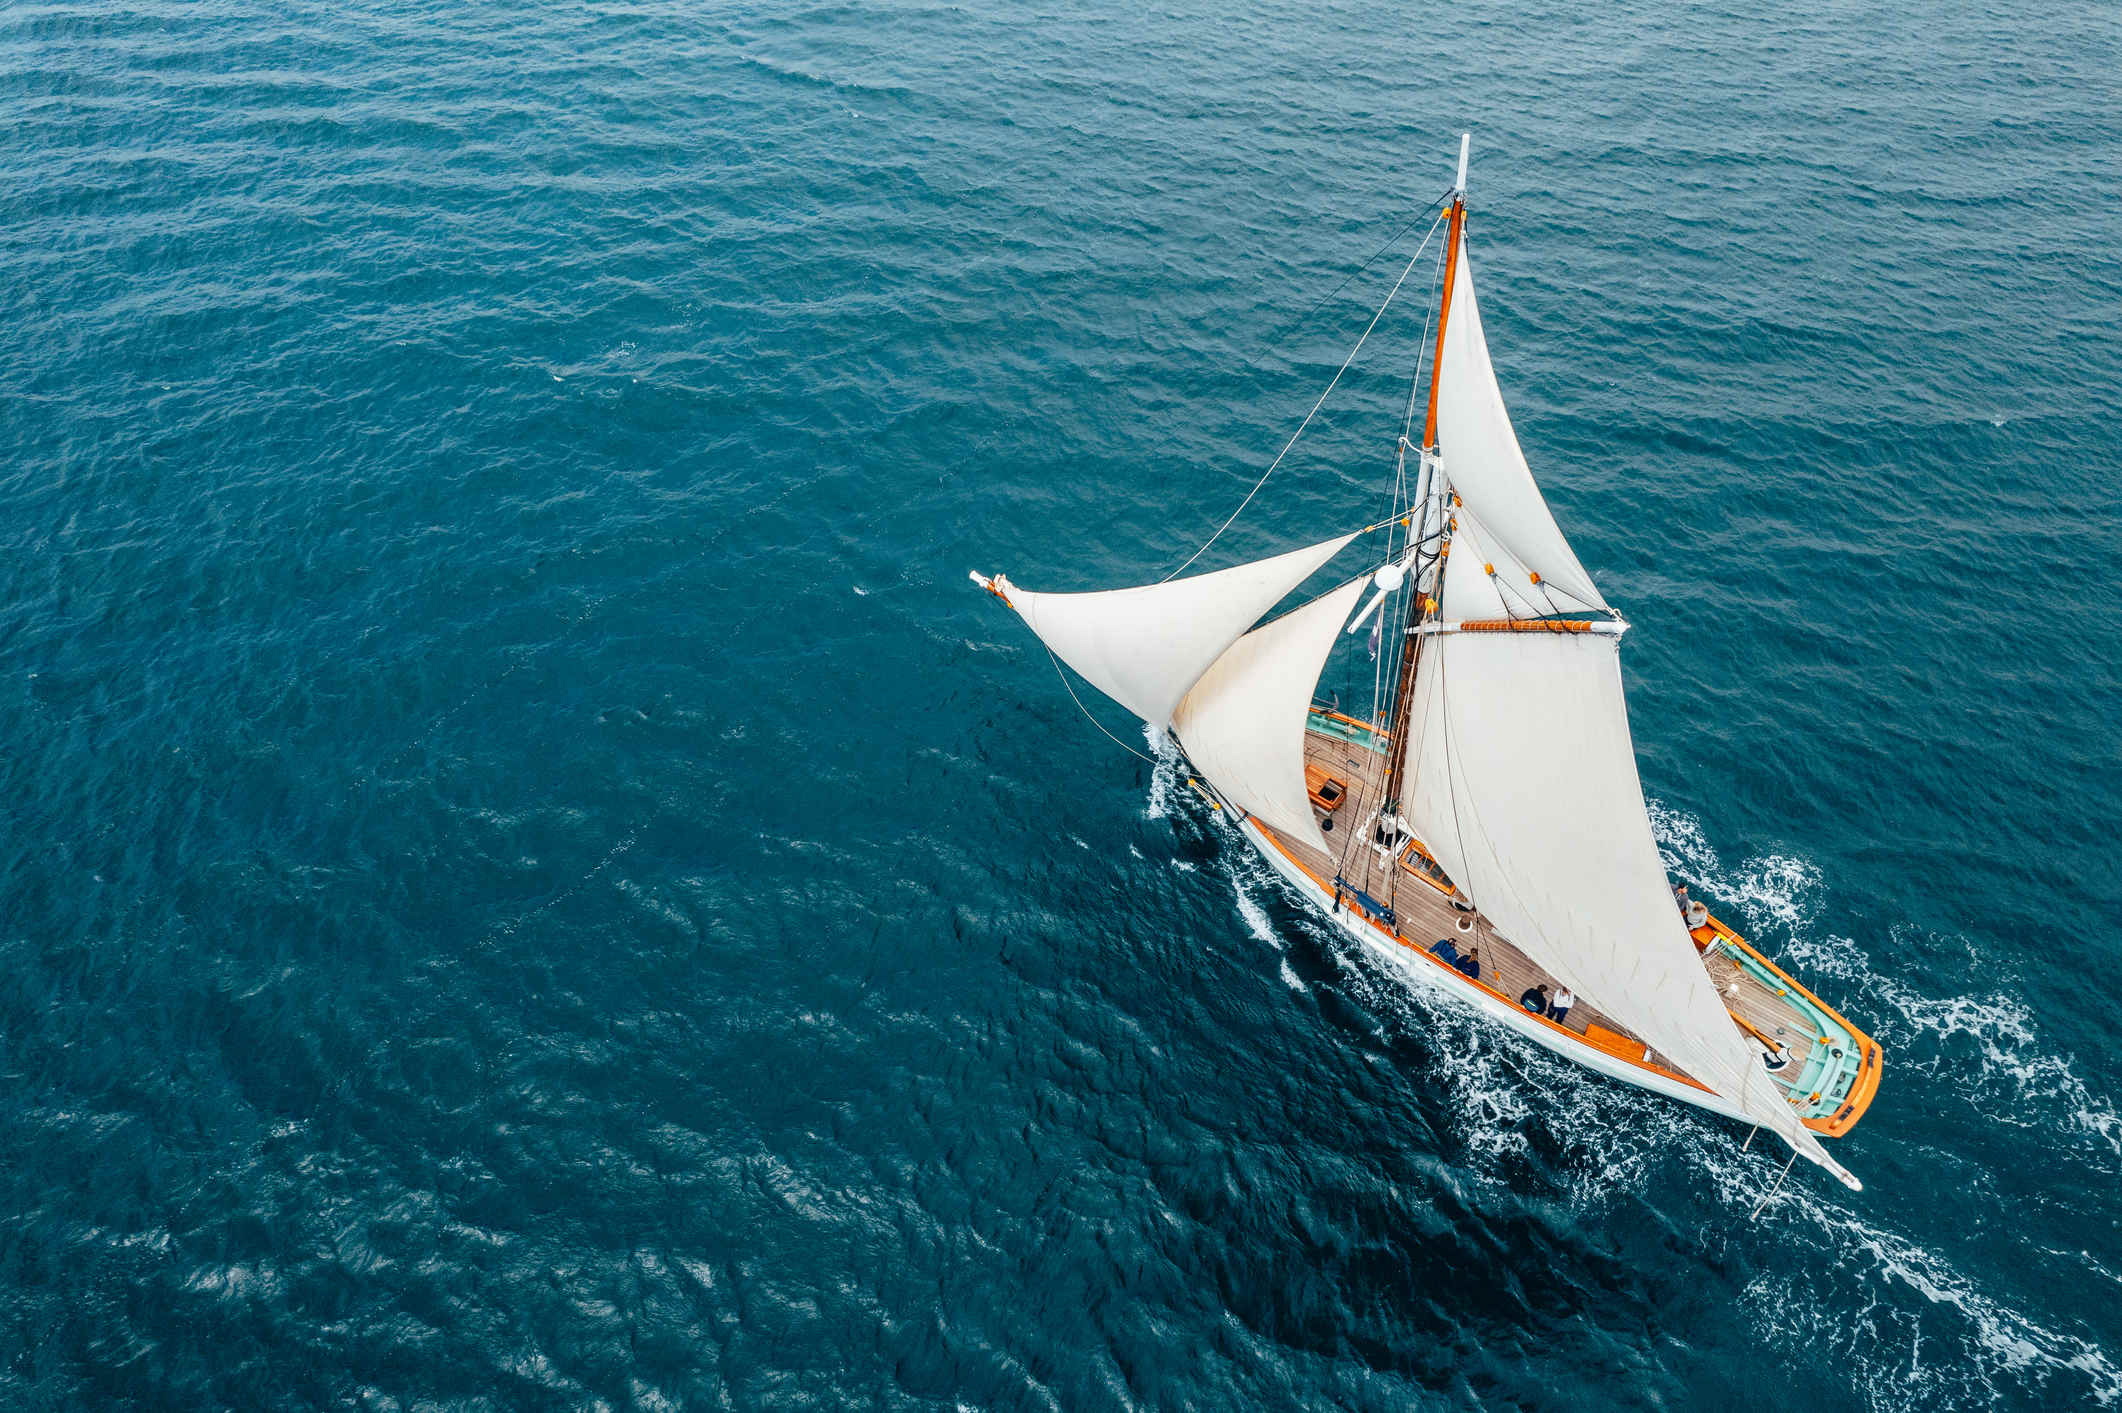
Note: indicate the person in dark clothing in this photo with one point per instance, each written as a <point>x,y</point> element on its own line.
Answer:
<point>1535,1000</point>
<point>1471,963</point>
<point>1444,947</point>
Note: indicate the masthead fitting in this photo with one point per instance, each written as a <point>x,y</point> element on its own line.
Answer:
<point>1466,140</point>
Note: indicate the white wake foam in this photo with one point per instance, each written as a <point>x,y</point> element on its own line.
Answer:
<point>1952,1345</point>
<point>1961,1341</point>
<point>1987,1046</point>
<point>1163,776</point>
<point>1256,918</point>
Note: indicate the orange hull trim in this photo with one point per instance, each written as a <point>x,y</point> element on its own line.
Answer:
<point>1873,1059</point>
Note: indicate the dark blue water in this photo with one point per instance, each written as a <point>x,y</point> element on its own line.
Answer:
<point>530,880</point>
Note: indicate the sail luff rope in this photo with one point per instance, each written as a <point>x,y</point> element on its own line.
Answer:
<point>1315,406</point>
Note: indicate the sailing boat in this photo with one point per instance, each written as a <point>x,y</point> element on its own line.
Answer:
<point>1485,829</point>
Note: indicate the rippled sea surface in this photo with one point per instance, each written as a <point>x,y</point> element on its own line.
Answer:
<point>529,879</point>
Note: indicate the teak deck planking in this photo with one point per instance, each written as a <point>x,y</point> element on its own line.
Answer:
<point>1423,915</point>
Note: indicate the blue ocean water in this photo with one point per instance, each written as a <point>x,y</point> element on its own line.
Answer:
<point>530,879</point>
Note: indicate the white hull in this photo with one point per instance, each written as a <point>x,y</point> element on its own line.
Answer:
<point>1437,981</point>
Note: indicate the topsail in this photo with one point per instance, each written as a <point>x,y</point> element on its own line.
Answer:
<point>1487,469</point>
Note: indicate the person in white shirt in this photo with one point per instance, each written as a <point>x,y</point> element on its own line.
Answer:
<point>1558,1008</point>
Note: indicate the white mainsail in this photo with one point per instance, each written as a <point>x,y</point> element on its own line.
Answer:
<point>1145,647</point>
<point>1243,723</point>
<point>1522,784</point>
<point>1486,466</point>
<point>1521,775</point>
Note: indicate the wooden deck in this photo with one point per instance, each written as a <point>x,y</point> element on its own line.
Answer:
<point>1422,913</point>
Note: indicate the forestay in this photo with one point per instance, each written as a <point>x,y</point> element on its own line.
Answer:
<point>1243,723</point>
<point>1523,785</point>
<point>1145,647</point>
<point>1487,469</point>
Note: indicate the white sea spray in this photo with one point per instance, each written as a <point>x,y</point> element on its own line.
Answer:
<point>2011,1072</point>
<point>1955,1343</point>
<point>1163,775</point>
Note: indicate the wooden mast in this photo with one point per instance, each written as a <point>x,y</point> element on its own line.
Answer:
<point>1420,603</point>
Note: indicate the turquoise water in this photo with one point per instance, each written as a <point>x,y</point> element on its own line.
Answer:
<point>530,879</point>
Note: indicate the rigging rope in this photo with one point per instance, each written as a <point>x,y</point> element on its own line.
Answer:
<point>1315,406</point>
<point>1086,711</point>
<point>1391,241</point>
<point>1766,1197</point>
<point>1386,666</point>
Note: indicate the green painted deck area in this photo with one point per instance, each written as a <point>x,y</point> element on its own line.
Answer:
<point>1354,732</point>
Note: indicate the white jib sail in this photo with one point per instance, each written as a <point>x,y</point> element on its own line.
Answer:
<point>1243,723</point>
<point>1144,647</point>
<point>1486,466</point>
<point>1522,783</point>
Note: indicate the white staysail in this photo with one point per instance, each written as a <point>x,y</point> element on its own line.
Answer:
<point>1522,783</point>
<point>1144,647</point>
<point>1243,723</point>
<point>1487,468</point>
